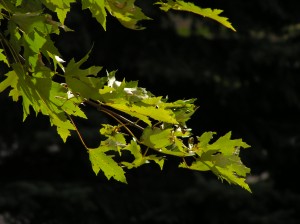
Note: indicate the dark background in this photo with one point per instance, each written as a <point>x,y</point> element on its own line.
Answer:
<point>245,81</point>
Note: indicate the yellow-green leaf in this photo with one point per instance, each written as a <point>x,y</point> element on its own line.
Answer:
<point>105,163</point>
<point>190,7</point>
<point>157,138</point>
<point>126,12</point>
<point>97,9</point>
<point>3,57</point>
<point>143,112</point>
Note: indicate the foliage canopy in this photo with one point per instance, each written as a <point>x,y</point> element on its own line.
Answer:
<point>148,127</point>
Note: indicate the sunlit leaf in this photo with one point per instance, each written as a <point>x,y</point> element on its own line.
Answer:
<point>157,138</point>
<point>61,7</point>
<point>147,128</point>
<point>97,9</point>
<point>105,163</point>
<point>190,7</point>
<point>84,81</point>
<point>126,12</point>
<point>3,57</point>
<point>142,112</point>
<point>159,160</point>
<point>228,145</point>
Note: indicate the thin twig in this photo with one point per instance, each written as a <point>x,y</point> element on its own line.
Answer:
<point>79,135</point>
<point>108,111</point>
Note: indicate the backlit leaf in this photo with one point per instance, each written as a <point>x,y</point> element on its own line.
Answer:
<point>3,57</point>
<point>190,7</point>
<point>142,112</point>
<point>61,7</point>
<point>221,157</point>
<point>147,128</point>
<point>105,163</point>
<point>157,138</point>
<point>126,12</point>
<point>97,9</point>
<point>83,81</point>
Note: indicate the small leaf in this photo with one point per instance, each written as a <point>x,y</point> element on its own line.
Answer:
<point>97,9</point>
<point>12,81</point>
<point>105,163</point>
<point>61,7</point>
<point>228,145</point>
<point>3,57</point>
<point>126,12</point>
<point>84,81</point>
<point>135,150</point>
<point>157,138</point>
<point>56,61</point>
<point>196,165</point>
<point>190,7</point>
<point>231,177</point>
<point>159,160</point>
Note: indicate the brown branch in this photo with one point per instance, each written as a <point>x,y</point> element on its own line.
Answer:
<point>110,112</point>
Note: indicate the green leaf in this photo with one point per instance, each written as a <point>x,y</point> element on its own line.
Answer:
<point>178,145</point>
<point>3,57</point>
<point>57,61</point>
<point>33,43</point>
<point>135,150</point>
<point>11,80</point>
<point>35,62</point>
<point>105,163</point>
<point>228,145</point>
<point>221,157</point>
<point>126,12</point>
<point>61,7</point>
<point>190,7</point>
<point>31,21</point>
<point>204,140</point>
<point>159,160</point>
<point>108,130</point>
<point>19,2</point>
<point>84,81</point>
<point>115,140</point>
<point>44,96</point>
<point>230,176</point>
<point>196,165</point>
<point>143,112</point>
<point>157,138</point>
<point>164,141</point>
<point>139,158</point>
<point>97,9</point>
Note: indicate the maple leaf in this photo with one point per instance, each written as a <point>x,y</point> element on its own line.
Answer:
<point>105,163</point>
<point>190,7</point>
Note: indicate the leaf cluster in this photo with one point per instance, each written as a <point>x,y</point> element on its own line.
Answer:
<point>34,64</point>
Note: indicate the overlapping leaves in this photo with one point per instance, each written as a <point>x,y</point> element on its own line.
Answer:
<point>148,128</point>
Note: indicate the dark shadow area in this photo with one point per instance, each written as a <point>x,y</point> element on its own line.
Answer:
<point>246,82</point>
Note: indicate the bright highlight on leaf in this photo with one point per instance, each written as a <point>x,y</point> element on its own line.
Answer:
<point>146,128</point>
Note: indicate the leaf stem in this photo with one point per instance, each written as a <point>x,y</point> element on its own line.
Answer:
<point>124,125</point>
<point>79,135</point>
<point>110,112</point>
